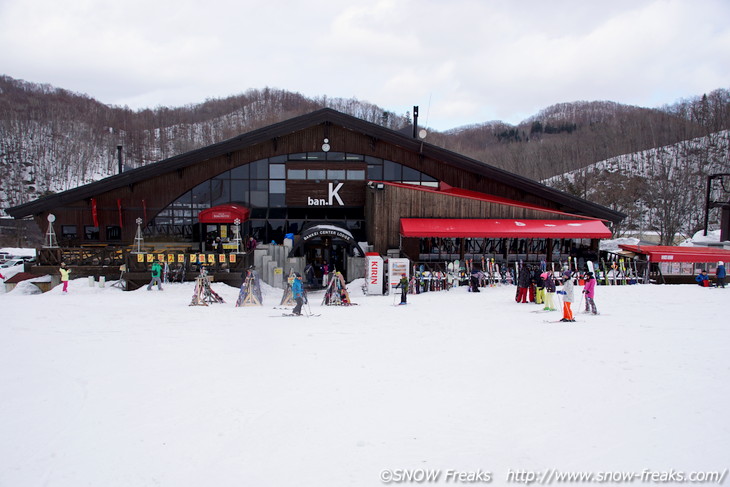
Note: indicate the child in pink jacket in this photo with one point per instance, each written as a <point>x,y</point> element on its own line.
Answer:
<point>590,292</point>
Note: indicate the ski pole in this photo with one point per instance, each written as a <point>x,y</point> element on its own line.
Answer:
<point>306,308</point>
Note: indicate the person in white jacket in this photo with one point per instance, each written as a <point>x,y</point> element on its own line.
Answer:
<point>568,297</point>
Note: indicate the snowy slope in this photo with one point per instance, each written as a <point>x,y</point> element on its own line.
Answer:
<point>707,155</point>
<point>104,387</point>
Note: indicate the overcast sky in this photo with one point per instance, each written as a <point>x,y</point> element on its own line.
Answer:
<point>461,61</point>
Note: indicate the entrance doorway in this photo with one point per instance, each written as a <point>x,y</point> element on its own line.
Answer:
<point>325,248</point>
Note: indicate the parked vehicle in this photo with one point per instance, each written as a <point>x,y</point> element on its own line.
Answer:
<point>12,263</point>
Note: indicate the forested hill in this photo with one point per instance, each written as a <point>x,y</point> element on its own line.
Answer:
<point>52,139</point>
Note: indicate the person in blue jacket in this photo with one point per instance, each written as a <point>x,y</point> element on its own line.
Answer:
<point>720,273</point>
<point>297,291</point>
<point>703,279</point>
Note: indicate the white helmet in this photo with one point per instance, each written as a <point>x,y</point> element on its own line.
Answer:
<point>721,263</point>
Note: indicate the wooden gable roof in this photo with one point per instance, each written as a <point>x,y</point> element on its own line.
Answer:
<point>324,116</point>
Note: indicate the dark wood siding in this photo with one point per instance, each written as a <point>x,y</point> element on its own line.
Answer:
<point>387,206</point>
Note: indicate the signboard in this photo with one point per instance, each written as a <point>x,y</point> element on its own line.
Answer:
<point>396,269</point>
<point>325,193</point>
<point>374,274</point>
<point>327,230</point>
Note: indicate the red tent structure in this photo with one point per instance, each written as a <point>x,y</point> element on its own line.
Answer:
<point>663,253</point>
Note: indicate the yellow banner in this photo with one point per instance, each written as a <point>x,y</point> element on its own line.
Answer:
<point>231,258</point>
<point>150,257</point>
<point>222,258</point>
<point>170,258</point>
<point>211,258</point>
<point>140,257</point>
<point>181,258</point>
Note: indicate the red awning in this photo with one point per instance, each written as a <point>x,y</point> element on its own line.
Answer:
<point>663,253</point>
<point>223,214</point>
<point>465,228</point>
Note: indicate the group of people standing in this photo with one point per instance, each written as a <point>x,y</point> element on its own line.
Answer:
<point>538,287</point>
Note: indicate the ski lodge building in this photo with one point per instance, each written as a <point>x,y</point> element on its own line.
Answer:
<point>329,181</point>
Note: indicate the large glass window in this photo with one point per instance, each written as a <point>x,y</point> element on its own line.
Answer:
<point>375,173</point>
<point>391,171</point>
<point>201,196</point>
<point>261,186</point>
<point>91,232</point>
<point>113,232</point>
<point>259,170</point>
<point>220,191</point>
<point>239,191</point>
<point>277,171</point>
<point>68,231</point>
<point>259,193</point>
<point>241,172</point>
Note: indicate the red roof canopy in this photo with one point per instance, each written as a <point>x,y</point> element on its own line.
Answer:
<point>224,214</point>
<point>456,228</point>
<point>663,253</point>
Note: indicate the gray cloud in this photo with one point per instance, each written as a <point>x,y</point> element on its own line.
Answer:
<point>462,61</point>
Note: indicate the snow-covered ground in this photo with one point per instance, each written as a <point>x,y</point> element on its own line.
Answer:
<point>102,387</point>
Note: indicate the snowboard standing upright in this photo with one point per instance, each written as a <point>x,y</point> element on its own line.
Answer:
<point>250,293</point>
<point>336,293</point>
<point>203,294</point>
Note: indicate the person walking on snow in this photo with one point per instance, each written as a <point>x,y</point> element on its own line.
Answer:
<point>720,274</point>
<point>568,297</point>
<point>297,292</point>
<point>65,271</point>
<point>549,291</point>
<point>590,292</point>
<point>403,285</point>
<point>156,271</point>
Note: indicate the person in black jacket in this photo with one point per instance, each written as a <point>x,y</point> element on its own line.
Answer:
<point>523,284</point>
<point>474,280</point>
<point>550,289</point>
<point>403,285</point>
